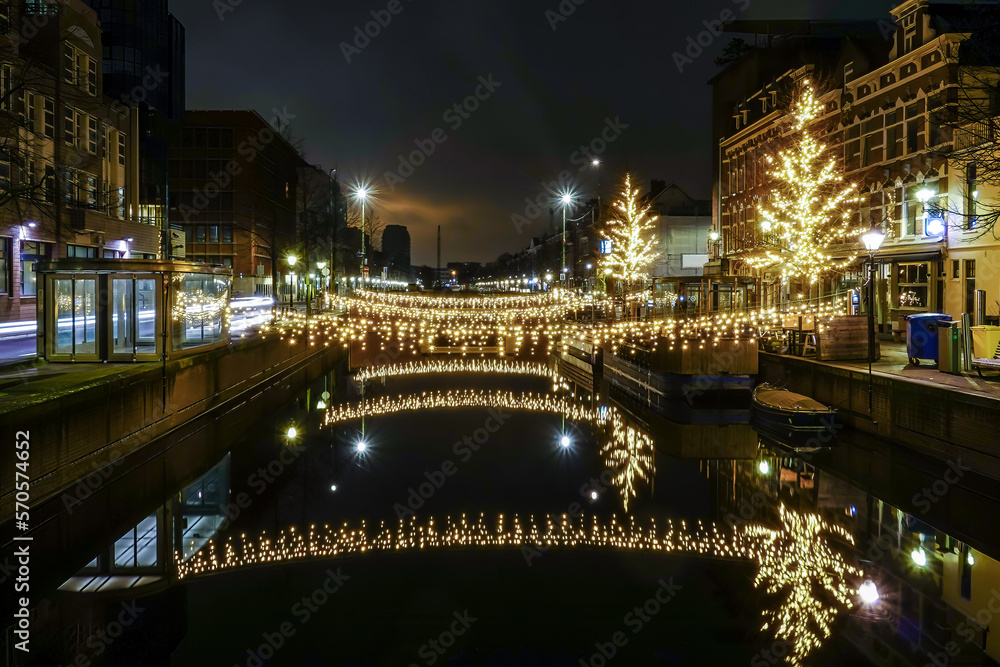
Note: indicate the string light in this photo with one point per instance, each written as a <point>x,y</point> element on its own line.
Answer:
<point>488,366</point>
<point>796,564</point>
<point>806,211</point>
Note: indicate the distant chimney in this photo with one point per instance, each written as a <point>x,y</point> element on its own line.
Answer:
<point>656,187</point>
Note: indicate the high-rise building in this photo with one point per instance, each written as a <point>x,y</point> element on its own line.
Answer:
<point>143,69</point>
<point>396,251</point>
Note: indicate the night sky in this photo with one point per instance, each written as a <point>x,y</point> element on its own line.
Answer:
<point>559,89</point>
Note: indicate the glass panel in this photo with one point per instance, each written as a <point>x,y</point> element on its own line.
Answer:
<point>62,296</point>
<point>137,547</point>
<point>199,309</point>
<point>85,316</point>
<point>122,336</point>
<point>145,304</point>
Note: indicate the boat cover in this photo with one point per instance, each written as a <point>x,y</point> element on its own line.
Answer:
<point>786,400</point>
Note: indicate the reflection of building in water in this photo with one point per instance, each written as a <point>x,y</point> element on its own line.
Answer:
<point>143,554</point>
<point>935,590</point>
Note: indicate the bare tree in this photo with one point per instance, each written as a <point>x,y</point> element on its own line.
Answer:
<point>969,113</point>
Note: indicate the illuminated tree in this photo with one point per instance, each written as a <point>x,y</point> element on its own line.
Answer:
<point>629,230</point>
<point>805,211</point>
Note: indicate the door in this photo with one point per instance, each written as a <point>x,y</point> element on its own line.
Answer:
<point>73,319</point>
<point>133,322</point>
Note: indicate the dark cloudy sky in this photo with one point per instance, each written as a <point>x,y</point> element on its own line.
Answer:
<point>557,90</point>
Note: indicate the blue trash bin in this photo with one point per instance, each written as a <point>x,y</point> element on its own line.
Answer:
<point>922,336</point>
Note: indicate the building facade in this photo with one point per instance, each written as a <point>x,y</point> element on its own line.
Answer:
<point>233,186</point>
<point>396,252</point>
<point>69,161</point>
<point>889,124</point>
<point>143,67</point>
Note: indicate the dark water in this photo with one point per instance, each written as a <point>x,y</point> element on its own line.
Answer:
<point>813,525</point>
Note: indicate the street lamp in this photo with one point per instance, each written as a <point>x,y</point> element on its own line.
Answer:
<point>291,259</point>
<point>565,199</point>
<point>362,194</point>
<point>872,240</point>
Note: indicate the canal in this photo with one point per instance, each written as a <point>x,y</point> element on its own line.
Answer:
<point>566,530</point>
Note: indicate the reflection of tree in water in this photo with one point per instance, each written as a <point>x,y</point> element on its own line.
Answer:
<point>797,564</point>
<point>808,579</point>
<point>629,453</point>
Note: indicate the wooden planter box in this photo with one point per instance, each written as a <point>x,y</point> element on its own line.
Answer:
<point>844,338</point>
<point>728,357</point>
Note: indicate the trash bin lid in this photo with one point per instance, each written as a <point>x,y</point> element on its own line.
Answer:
<point>929,317</point>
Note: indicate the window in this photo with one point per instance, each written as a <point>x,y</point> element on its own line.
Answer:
<point>866,150</point>
<point>199,233</point>
<point>91,76</point>
<point>6,82</point>
<point>91,191</point>
<point>4,18</point>
<point>954,269</point>
<point>213,233</point>
<point>111,254</point>
<point>69,63</point>
<point>227,233</point>
<point>912,282</point>
<point>971,196</point>
<point>69,126</point>
<point>893,142</point>
<point>92,135</point>
<point>138,547</point>
<point>121,149</point>
<point>5,266</point>
<point>81,251</point>
<point>914,132</point>
<point>49,118</point>
<point>4,170</point>
<point>970,285</point>
<point>31,252</point>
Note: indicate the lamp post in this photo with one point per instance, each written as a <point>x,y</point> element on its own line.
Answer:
<point>872,240</point>
<point>362,195</point>
<point>565,199</point>
<point>291,259</point>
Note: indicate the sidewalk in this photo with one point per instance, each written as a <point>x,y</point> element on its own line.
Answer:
<point>895,362</point>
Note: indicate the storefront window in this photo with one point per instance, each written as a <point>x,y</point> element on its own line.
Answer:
<point>912,282</point>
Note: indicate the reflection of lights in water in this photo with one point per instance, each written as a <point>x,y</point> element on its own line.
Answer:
<point>489,366</point>
<point>795,562</point>
<point>630,454</point>
<point>457,398</point>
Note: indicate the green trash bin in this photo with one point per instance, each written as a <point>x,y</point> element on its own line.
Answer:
<point>950,347</point>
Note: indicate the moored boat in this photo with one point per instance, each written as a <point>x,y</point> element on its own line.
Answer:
<point>786,411</point>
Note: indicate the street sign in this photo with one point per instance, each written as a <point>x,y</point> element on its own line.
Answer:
<point>607,247</point>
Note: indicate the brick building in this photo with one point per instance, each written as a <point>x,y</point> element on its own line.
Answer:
<point>233,186</point>
<point>68,165</point>
<point>887,99</point>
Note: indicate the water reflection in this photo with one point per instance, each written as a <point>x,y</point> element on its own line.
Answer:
<point>812,538</point>
<point>795,560</point>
